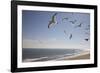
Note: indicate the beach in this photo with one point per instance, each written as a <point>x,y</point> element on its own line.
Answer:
<point>40,55</point>
<point>83,55</point>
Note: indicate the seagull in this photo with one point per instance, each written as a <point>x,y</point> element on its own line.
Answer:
<point>65,19</point>
<point>88,25</point>
<point>65,31</point>
<point>53,21</point>
<point>79,25</point>
<point>86,39</point>
<point>73,22</point>
<point>70,36</point>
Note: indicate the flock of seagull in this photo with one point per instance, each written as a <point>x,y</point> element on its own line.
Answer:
<point>53,22</point>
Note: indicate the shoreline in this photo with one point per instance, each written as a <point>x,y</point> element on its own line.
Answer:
<point>84,55</point>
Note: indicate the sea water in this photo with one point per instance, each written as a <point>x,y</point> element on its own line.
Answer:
<point>40,54</point>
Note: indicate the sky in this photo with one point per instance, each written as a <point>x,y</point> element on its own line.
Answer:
<point>36,34</point>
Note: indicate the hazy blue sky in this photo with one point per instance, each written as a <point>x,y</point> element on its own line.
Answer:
<point>37,35</point>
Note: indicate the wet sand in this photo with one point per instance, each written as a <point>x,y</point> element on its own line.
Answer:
<point>84,55</point>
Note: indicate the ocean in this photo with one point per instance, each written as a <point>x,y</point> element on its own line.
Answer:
<point>38,55</point>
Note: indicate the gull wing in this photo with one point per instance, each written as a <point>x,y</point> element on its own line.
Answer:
<point>53,17</point>
<point>65,31</point>
<point>80,25</point>
<point>50,24</point>
<point>70,36</point>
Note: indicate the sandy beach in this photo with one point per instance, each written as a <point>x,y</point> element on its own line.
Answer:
<point>56,57</point>
<point>84,55</point>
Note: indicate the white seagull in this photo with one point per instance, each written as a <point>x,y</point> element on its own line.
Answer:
<point>53,21</point>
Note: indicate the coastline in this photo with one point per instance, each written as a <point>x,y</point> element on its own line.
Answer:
<point>83,55</point>
<point>80,56</point>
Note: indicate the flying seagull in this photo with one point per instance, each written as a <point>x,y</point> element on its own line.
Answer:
<point>86,39</point>
<point>79,25</point>
<point>70,37</point>
<point>53,21</point>
<point>65,31</point>
<point>73,22</point>
<point>88,25</point>
<point>66,18</point>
